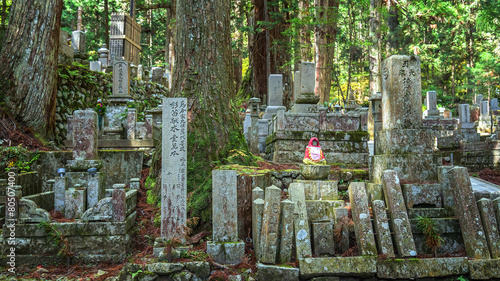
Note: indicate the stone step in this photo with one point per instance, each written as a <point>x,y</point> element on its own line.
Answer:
<point>413,213</point>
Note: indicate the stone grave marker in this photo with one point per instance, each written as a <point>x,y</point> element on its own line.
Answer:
<point>307,77</point>
<point>494,104</point>
<point>323,242</point>
<point>478,99</point>
<point>302,233</point>
<point>485,108</point>
<point>490,225</point>
<point>257,211</point>
<point>140,72</point>
<point>401,96</point>
<point>95,66</point>
<point>121,79</point>
<point>224,206</point>
<point>156,74</point>
<point>286,231</point>
<point>361,217</point>
<point>275,90</point>
<point>85,135</point>
<point>473,234</point>
<point>174,166</point>
<point>384,240</point>
<point>296,85</point>
<point>431,103</point>
<point>340,216</point>
<point>270,225</point>
<point>405,245</point>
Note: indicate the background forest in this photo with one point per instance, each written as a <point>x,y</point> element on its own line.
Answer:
<point>458,41</point>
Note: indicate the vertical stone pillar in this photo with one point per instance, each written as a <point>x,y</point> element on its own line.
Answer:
<point>78,40</point>
<point>174,166</point>
<point>121,79</point>
<point>361,217</point>
<point>118,202</point>
<point>140,72</point>
<point>257,211</point>
<point>131,122</point>
<point>468,214</point>
<point>490,225</point>
<point>485,108</point>
<point>302,233</point>
<point>296,85</point>
<point>270,225</point>
<point>340,221</point>
<point>95,189</point>
<point>464,113</point>
<point>402,95</point>
<point>224,206</point>
<point>405,245</point>
<point>323,238</point>
<point>254,127</point>
<point>133,70</point>
<point>384,240</point>
<point>286,231</point>
<point>60,193</point>
<point>307,77</point>
<point>69,132</point>
<point>275,90</point>
<point>156,74</point>
<point>431,103</point>
<point>75,202</point>
<point>85,135</point>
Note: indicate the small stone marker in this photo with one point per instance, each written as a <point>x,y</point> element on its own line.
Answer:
<point>323,238</point>
<point>401,97</point>
<point>275,90</point>
<point>133,70</point>
<point>485,108</point>
<point>131,123</point>
<point>340,217</point>
<point>464,113</point>
<point>361,217</point>
<point>135,183</point>
<point>174,166</point>
<point>224,206</point>
<point>156,74</point>
<point>307,77</point>
<point>85,135</point>
<point>405,245</point>
<point>301,223</point>
<point>118,203</point>
<point>95,189</point>
<point>478,100</point>
<point>468,214</point>
<point>296,85</point>
<point>270,225</point>
<point>121,79</point>
<point>253,134</point>
<point>490,225</point>
<point>78,40</point>
<point>384,240</point>
<point>286,231</point>
<point>75,203</point>
<point>432,111</point>
<point>448,201</point>
<point>140,72</point>
<point>257,211</point>
<point>494,104</point>
<point>96,66</point>
<point>60,193</point>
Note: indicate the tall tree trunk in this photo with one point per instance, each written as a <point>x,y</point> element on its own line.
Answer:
<point>326,33</point>
<point>106,23</point>
<point>204,71</point>
<point>375,48</point>
<point>168,35</point>
<point>28,76</point>
<point>305,32</point>
<point>3,15</point>
<point>259,54</point>
<point>392,22</point>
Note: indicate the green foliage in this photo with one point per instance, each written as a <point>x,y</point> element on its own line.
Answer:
<point>17,156</point>
<point>195,255</point>
<point>433,238</point>
<point>57,238</point>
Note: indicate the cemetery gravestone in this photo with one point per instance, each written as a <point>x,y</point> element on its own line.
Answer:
<point>174,165</point>
<point>121,79</point>
<point>431,100</point>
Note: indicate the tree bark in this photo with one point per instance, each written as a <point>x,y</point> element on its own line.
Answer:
<point>28,77</point>
<point>375,48</point>
<point>305,33</point>
<point>259,54</point>
<point>392,22</point>
<point>326,33</point>
<point>204,71</point>
<point>106,23</point>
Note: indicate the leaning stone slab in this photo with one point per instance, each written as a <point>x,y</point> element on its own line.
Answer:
<point>470,222</point>
<point>286,231</point>
<point>405,245</point>
<point>421,268</point>
<point>490,225</point>
<point>361,218</point>
<point>445,187</point>
<point>362,266</point>
<point>384,239</point>
<point>301,223</point>
<point>323,242</point>
<point>271,272</point>
<point>270,225</point>
<point>484,269</point>
<point>340,220</point>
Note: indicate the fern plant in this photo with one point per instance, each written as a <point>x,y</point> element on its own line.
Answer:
<point>58,240</point>
<point>433,238</point>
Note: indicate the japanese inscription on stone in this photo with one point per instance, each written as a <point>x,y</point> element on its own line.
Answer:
<point>121,79</point>
<point>174,141</point>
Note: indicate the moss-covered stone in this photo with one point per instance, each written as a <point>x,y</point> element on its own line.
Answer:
<point>484,269</point>
<point>421,268</point>
<point>338,266</point>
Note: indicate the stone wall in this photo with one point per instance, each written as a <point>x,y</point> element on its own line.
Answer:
<point>441,127</point>
<point>343,137</point>
<point>80,88</point>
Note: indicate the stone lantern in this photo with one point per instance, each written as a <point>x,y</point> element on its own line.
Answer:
<point>376,107</point>
<point>104,56</point>
<point>254,127</point>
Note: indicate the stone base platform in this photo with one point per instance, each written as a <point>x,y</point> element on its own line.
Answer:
<point>226,253</point>
<point>410,167</point>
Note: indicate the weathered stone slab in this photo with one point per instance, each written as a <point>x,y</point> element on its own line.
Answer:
<point>340,221</point>
<point>375,191</point>
<point>485,108</point>
<point>448,201</point>
<point>496,206</point>
<point>118,201</point>
<point>323,243</point>
<point>75,203</point>
<point>301,223</point>
<point>307,77</point>
<point>271,272</point>
<point>95,189</point>
<point>275,90</point>
<point>226,253</point>
<point>383,232</point>
<point>430,213</point>
<point>257,211</point>
<point>174,166</point>
<point>362,266</point>
<point>484,269</point>
<point>286,231</point>
<point>321,210</point>
<point>421,268</point>
<point>131,123</point>
<point>361,217</point>
<point>465,204</point>
<point>296,85</point>
<point>401,93</point>
<point>156,74</point>
<point>224,206</point>
<point>60,193</point>
<point>161,268</point>
<point>431,103</point>
<point>402,141</point>
<point>405,245</point>
<point>270,225</point>
<point>121,79</point>
<point>96,66</point>
<point>490,225</point>
<point>422,194</point>
<point>84,135</point>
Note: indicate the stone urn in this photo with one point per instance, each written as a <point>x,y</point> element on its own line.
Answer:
<point>315,172</point>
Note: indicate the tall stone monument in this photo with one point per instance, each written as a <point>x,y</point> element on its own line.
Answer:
<point>431,103</point>
<point>402,144</point>
<point>307,101</point>
<point>117,102</point>
<point>274,95</point>
<point>174,166</point>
